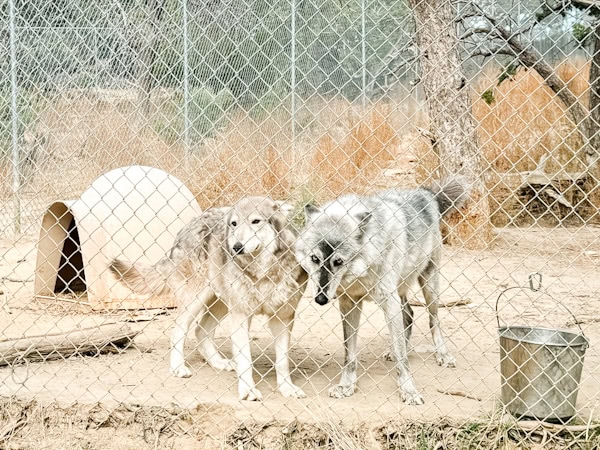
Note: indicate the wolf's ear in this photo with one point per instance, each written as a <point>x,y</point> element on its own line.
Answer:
<point>280,220</point>
<point>284,208</point>
<point>310,211</point>
<point>363,220</point>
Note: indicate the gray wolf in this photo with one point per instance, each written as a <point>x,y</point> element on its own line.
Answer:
<point>357,248</point>
<point>236,260</point>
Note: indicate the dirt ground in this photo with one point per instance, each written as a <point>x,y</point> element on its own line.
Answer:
<point>569,259</point>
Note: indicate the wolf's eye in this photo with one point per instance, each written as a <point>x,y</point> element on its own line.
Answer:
<point>255,221</point>
<point>338,262</point>
<point>234,224</point>
<point>314,259</point>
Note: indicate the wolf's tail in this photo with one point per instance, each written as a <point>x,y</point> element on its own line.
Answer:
<point>144,279</point>
<point>450,192</point>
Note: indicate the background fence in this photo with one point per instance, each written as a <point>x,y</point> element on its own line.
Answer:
<point>302,100</point>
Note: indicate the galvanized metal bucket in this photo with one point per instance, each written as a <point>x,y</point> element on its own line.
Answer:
<point>540,368</point>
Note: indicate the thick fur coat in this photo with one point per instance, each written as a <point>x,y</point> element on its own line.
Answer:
<point>357,248</point>
<point>236,260</point>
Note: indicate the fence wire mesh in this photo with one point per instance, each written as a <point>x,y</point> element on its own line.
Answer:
<point>134,139</point>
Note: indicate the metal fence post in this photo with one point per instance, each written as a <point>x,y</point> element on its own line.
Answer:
<point>186,87</point>
<point>16,184</point>
<point>363,50</point>
<point>293,76</point>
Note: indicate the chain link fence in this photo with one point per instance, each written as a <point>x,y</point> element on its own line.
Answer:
<point>120,121</point>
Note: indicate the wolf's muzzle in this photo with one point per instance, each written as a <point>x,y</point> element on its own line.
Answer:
<point>238,248</point>
<point>321,299</point>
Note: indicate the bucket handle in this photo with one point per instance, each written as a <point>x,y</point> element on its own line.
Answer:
<point>535,284</point>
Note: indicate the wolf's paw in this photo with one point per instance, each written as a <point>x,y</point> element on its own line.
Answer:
<point>181,371</point>
<point>291,391</point>
<point>222,364</point>
<point>389,356</point>
<point>341,391</point>
<point>412,398</point>
<point>445,360</point>
<point>250,394</point>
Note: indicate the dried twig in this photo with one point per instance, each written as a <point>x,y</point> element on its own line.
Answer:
<point>458,394</point>
<point>582,320</point>
<point>532,425</point>
<point>16,280</point>
<point>449,304</point>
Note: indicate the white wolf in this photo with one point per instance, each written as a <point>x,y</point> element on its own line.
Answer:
<point>356,248</point>
<point>238,260</point>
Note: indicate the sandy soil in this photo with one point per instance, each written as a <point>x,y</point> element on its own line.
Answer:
<point>568,258</point>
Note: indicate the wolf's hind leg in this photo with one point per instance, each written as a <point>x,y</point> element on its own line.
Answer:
<point>191,306</point>
<point>205,334</point>
<point>429,281</point>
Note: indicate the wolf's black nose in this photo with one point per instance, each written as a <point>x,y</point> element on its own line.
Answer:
<point>321,299</point>
<point>238,248</point>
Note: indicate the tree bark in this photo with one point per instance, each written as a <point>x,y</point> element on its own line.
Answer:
<point>593,125</point>
<point>148,54</point>
<point>452,125</point>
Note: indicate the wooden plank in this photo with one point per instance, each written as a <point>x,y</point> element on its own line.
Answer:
<point>519,179</point>
<point>105,338</point>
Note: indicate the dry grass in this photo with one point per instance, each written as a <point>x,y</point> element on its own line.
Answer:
<point>348,162</point>
<point>525,120</point>
<point>30,424</point>
<point>251,157</point>
<point>339,148</point>
<point>89,136</point>
<point>521,122</point>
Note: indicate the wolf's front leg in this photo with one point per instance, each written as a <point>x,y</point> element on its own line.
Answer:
<point>350,311</point>
<point>394,317</point>
<point>282,329</point>
<point>242,357</point>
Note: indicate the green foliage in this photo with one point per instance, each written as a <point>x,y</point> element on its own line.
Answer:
<point>581,33</point>
<point>509,73</point>
<point>244,48</point>
<point>488,96</point>
<point>277,97</point>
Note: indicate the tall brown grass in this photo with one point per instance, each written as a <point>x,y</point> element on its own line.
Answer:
<point>338,146</point>
<point>525,119</point>
<point>368,144</point>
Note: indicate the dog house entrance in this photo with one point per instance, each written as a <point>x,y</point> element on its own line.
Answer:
<point>134,213</point>
<point>71,276</point>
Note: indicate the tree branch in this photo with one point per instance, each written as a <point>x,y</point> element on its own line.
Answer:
<point>492,51</point>
<point>474,31</point>
<point>529,57</point>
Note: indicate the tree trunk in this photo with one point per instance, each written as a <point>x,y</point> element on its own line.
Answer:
<point>593,125</point>
<point>452,126</point>
<point>105,338</point>
<point>148,55</point>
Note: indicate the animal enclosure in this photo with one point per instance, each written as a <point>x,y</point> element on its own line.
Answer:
<point>303,101</point>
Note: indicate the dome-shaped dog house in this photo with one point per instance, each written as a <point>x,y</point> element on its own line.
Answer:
<point>133,213</point>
